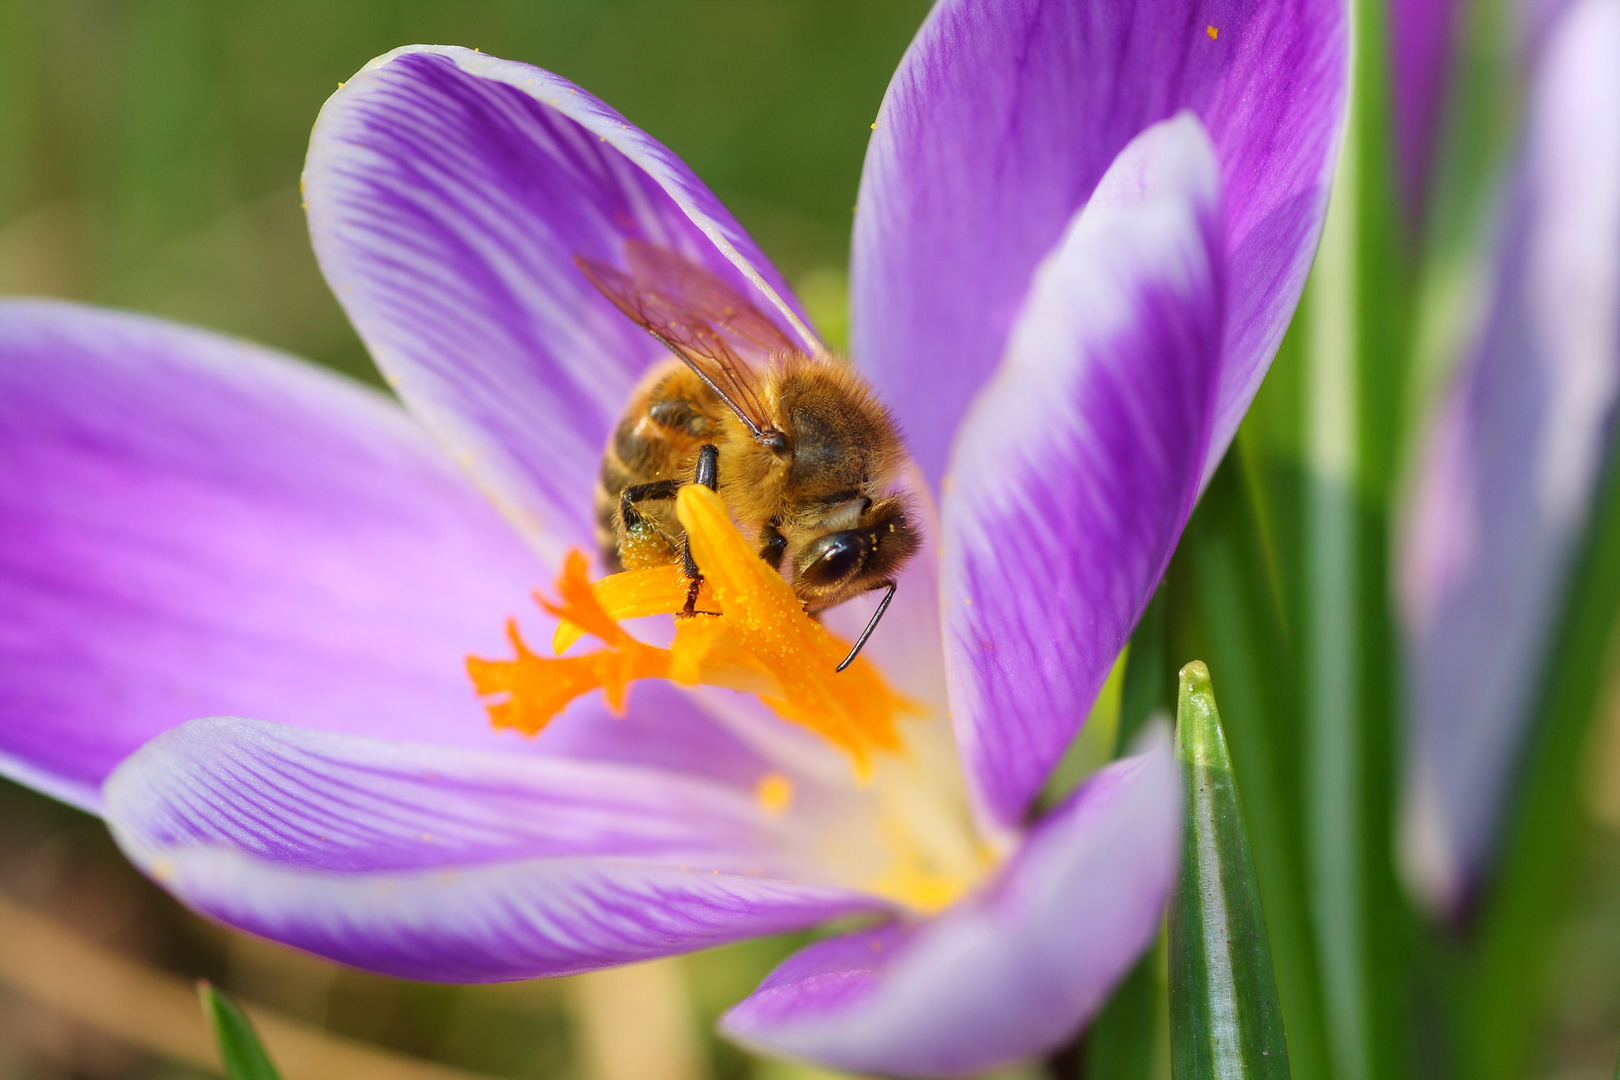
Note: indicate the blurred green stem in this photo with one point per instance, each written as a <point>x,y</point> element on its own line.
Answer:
<point>1333,768</point>
<point>1503,1007</point>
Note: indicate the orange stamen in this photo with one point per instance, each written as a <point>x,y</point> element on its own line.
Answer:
<point>656,590</point>
<point>757,639</point>
<point>854,709</point>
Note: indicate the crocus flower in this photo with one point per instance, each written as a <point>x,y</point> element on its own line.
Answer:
<point>1511,460</point>
<point>1081,232</point>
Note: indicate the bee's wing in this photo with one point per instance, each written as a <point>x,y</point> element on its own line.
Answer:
<point>702,319</point>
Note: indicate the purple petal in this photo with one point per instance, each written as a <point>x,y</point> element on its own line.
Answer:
<point>194,525</point>
<point>1075,470</point>
<point>663,727</point>
<point>1511,465</point>
<point>518,920</point>
<point>449,193</point>
<point>1533,21</point>
<point>1422,34</point>
<point>456,865</point>
<point>999,123</point>
<point>1010,972</point>
<point>313,800</point>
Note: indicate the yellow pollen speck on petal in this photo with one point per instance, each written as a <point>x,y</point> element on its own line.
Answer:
<point>775,793</point>
<point>1211,31</point>
<point>874,125</point>
<point>750,634</point>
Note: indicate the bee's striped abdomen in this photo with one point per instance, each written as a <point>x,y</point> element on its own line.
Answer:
<point>668,419</point>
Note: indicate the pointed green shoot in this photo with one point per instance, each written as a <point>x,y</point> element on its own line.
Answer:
<point>1225,1017</point>
<point>239,1048</point>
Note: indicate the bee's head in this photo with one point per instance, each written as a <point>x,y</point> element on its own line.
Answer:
<point>846,562</point>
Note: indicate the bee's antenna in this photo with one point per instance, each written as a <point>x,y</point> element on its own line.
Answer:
<point>871,625</point>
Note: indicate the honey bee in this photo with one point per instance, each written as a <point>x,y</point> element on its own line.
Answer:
<point>800,449</point>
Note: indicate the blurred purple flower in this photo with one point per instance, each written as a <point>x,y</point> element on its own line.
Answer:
<point>1510,462</point>
<point>1081,233</point>
<point>1425,40</point>
<point>1422,45</point>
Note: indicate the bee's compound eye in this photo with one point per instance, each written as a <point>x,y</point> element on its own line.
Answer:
<point>836,557</point>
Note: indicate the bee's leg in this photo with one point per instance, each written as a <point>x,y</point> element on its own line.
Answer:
<point>708,467</point>
<point>658,489</point>
<point>708,474</point>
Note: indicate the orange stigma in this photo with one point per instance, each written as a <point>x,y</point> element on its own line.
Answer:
<point>751,634</point>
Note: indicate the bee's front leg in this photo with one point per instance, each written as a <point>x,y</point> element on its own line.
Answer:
<point>708,474</point>
<point>635,493</point>
<point>708,467</point>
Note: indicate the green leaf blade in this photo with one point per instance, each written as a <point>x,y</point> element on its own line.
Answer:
<point>240,1051</point>
<point>1225,1016</point>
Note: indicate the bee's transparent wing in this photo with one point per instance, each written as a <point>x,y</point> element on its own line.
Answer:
<point>702,319</point>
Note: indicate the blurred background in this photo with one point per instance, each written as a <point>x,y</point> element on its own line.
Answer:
<point>149,159</point>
